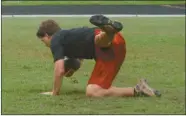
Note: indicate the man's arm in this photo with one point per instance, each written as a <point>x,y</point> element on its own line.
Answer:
<point>58,55</point>
<point>59,72</point>
<point>58,75</point>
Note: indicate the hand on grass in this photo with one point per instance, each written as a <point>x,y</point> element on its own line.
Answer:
<point>48,93</point>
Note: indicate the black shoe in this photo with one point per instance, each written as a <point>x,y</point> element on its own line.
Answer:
<point>100,21</point>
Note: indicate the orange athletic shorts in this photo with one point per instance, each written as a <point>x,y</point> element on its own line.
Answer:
<point>108,62</point>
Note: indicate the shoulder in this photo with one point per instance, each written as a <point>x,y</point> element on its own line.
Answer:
<point>58,36</point>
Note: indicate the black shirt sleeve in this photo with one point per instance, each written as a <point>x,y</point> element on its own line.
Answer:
<point>57,50</point>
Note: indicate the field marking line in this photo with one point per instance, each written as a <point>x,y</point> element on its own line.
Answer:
<point>177,7</point>
<point>89,15</point>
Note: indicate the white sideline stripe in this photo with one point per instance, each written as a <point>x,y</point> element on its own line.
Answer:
<point>122,15</point>
<point>178,7</point>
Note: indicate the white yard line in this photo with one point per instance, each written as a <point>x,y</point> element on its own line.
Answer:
<point>170,6</point>
<point>88,15</point>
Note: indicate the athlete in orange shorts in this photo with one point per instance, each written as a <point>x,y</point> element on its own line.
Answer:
<point>103,43</point>
<point>108,61</point>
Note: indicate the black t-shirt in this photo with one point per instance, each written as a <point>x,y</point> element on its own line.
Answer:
<point>73,43</point>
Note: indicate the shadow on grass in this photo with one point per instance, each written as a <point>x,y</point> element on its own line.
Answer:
<point>75,92</point>
<point>36,90</point>
<point>69,92</point>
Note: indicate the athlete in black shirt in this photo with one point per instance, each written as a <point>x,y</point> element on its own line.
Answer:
<point>74,43</point>
<point>103,43</point>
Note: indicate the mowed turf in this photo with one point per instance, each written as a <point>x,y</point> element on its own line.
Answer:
<point>155,50</point>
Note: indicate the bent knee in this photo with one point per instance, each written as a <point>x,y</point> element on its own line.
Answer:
<point>94,90</point>
<point>90,94</point>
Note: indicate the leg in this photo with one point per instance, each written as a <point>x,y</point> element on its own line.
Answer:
<point>141,89</point>
<point>108,30</point>
<point>104,39</point>
<point>106,70</point>
<point>99,84</point>
<point>94,90</point>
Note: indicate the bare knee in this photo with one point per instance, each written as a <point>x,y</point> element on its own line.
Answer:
<point>90,94</point>
<point>94,90</point>
<point>93,94</point>
<point>91,90</point>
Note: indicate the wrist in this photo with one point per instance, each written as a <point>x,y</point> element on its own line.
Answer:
<point>55,93</point>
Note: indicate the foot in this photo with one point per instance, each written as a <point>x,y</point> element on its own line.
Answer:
<point>142,88</point>
<point>101,21</point>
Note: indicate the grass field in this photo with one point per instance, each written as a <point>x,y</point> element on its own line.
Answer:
<point>89,2</point>
<point>155,50</point>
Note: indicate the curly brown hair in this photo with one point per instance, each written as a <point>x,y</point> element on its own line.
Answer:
<point>48,27</point>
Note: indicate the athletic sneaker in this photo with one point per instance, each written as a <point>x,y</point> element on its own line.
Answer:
<point>143,89</point>
<point>100,21</point>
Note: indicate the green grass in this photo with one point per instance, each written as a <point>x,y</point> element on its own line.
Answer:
<point>155,50</point>
<point>91,2</point>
